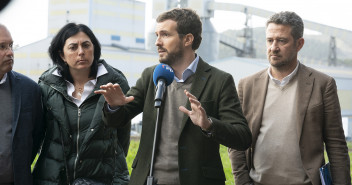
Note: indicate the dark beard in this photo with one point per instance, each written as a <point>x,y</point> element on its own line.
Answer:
<point>284,62</point>
<point>172,57</point>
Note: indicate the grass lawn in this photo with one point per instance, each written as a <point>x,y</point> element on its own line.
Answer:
<point>224,157</point>
<point>132,151</point>
<point>223,152</point>
<point>349,145</point>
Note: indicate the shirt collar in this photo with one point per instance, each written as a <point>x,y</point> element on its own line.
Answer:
<point>286,79</point>
<point>191,69</point>
<point>88,87</point>
<point>101,71</point>
<point>3,80</point>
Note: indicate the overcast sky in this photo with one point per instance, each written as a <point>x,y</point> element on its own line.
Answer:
<point>27,19</point>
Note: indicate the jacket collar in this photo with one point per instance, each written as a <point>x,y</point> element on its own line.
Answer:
<point>303,96</point>
<point>260,88</point>
<point>59,84</point>
<point>201,78</point>
<point>304,91</point>
<point>16,98</point>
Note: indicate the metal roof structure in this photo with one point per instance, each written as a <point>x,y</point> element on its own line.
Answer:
<point>123,46</point>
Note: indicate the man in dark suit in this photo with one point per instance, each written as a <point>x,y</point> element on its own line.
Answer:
<point>20,120</point>
<point>292,111</point>
<point>201,110</point>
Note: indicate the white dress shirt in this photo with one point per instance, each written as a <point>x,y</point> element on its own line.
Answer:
<point>88,86</point>
<point>286,79</point>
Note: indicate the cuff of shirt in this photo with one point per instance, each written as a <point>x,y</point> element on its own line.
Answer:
<point>110,109</point>
<point>210,130</point>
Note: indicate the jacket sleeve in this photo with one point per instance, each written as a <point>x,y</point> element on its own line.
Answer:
<point>124,133</point>
<point>38,130</point>
<point>123,136</point>
<point>230,127</point>
<point>121,174</point>
<point>239,167</point>
<point>238,159</point>
<point>334,138</point>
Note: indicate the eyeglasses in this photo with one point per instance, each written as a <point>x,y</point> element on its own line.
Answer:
<point>5,47</point>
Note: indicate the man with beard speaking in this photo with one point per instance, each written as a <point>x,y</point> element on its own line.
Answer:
<point>201,110</point>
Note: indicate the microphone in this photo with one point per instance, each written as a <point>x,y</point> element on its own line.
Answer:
<point>163,76</point>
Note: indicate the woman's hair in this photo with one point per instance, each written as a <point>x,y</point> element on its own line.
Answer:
<point>58,43</point>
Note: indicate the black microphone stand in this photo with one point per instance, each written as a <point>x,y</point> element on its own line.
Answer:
<point>151,180</point>
<point>158,103</point>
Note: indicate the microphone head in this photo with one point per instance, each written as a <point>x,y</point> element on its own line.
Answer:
<point>163,71</point>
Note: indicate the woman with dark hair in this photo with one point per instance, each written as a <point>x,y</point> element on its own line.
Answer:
<point>77,144</point>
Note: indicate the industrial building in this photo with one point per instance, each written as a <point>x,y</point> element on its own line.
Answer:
<point>120,28</point>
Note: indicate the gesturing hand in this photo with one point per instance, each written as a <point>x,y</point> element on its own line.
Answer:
<point>197,114</point>
<point>113,95</point>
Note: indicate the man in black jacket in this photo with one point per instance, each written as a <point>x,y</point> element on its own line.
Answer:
<point>201,110</point>
<point>20,120</point>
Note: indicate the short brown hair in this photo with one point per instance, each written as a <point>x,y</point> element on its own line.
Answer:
<point>290,19</point>
<point>187,21</point>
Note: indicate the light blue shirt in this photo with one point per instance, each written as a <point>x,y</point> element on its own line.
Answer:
<point>190,70</point>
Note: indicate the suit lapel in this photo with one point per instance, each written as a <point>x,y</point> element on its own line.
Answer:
<point>260,87</point>
<point>16,99</point>
<point>201,78</point>
<point>304,92</point>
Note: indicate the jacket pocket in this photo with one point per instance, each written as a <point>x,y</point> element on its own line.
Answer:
<point>213,173</point>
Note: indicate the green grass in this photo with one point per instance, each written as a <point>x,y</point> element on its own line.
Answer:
<point>226,165</point>
<point>349,145</point>
<point>350,154</point>
<point>132,152</point>
<point>223,152</point>
<point>224,157</point>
